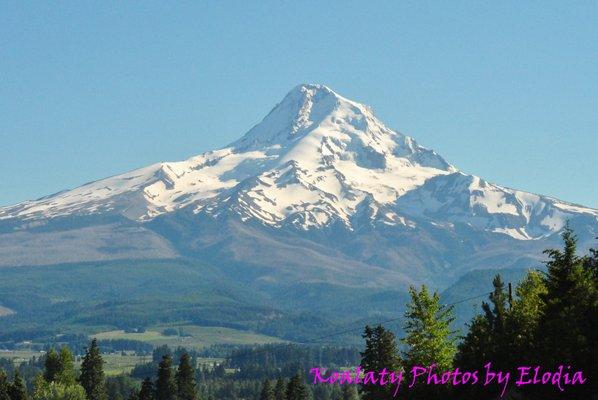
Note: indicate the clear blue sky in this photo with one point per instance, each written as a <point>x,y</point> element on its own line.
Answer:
<point>505,90</point>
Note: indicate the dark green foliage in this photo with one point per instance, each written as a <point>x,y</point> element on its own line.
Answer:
<point>185,379</point>
<point>4,386</point>
<point>165,385</point>
<point>280,390</point>
<point>522,327</point>
<point>349,392</point>
<point>147,390</point>
<point>66,374</point>
<point>552,322</point>
<point>121,388</point>
<point>286,359</point>
<point>296,389</point>
<point>17,390</point>
<point>570,311</point>
<point>92,373</point>
<point>52,364</point>
<point>267,392</point>
<point>380,353</point>
<point>495,314</point>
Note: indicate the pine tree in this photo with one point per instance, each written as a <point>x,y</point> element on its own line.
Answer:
<point>429,339</point>
<point>380,353</point>
<point>428,331</point>
<point>296,389</point>
<point>17,389</point>
<point>349,392</point>
<point>185,379</point>
<point>92,373</point>
<point>267,392</point>
<point>4,386</point>
<point>66,375</point>
<point>280,390</point>
<point>147,390</point>
<point>165,386</point>
<point>52,365</point>
<point>522,324</point>
<point>570,310</point>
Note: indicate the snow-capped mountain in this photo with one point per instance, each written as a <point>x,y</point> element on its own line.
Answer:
<point>315,153</point>
<point>318,163</point>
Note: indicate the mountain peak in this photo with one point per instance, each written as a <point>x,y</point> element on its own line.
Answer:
<point>302,107</point>
<point>316,159</point>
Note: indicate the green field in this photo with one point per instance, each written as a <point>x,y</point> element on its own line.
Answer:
<point>115,364</point>
<point>199,337</point>
<point>20,356</point>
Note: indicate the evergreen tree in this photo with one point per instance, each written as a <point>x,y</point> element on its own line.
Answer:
<point>570,311</point>
<point>92,373</point>
<point>280,390</point>
<point>147,390</point>
<point>185,379</point>
<point>349,392</point>
<point>44,390</point>
<point>66,374</point>
<point>428,332</point>
<point>52,365</point>
<point>165,385</point>
<point>522,325</point>
<point>267,392</point>
<point>17,389</point>
<point>496,316</point>
<point>296,389</point>
<point>380,353</point>
<point>473,351</point>
<point>4,386</point>
<point>429,339</point>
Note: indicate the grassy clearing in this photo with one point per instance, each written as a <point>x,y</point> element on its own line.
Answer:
<point>20,356</point>
<point>119,364</point>
<point>199,337</point>
<point>114,364</point>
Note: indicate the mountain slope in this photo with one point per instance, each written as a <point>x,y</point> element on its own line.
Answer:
<point>319,190</point>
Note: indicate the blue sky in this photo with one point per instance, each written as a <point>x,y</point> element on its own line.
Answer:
<point>505,90</point>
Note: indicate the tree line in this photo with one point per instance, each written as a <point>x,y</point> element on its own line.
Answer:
<point>550,320</point>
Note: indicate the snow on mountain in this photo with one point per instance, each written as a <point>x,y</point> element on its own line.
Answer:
<point>315,159</point>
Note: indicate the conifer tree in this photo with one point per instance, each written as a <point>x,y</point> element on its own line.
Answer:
<point>17,389</point>
<point>296,389</point>
<point>52,365</point>
<point>147,390</point>
<point>280,390</point>
<point>66,374</point>
<point>92,373</point>
<point>380,353</point>
<point>349,392</point>
<point>165,385</point>
<point>570,310</point>
<point>428,331</point>
<point>429,340</point>
<point>496,314</point>
<point>522,324</point>
<point>267,392</point>
<point>4,386</point>
<point>473,351</point>
<point>185,379</point>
